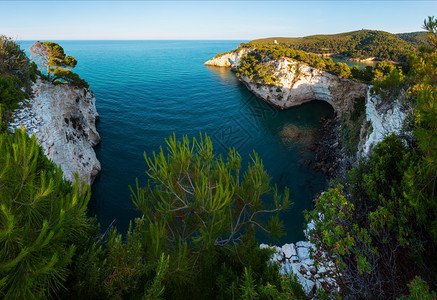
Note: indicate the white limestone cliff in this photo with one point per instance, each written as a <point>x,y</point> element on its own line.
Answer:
<point>230,59</point>
<point>62,117</point>
<point>381,119</point>
<point>298,83</point>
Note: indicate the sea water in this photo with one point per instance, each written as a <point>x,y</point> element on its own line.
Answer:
<point>147,90</point>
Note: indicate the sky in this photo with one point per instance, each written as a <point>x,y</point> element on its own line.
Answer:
<point>204,20</point>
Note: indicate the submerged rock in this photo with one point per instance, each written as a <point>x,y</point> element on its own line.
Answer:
<point>62,117</point>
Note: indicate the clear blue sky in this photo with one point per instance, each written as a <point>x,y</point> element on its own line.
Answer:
<point>225,20</point>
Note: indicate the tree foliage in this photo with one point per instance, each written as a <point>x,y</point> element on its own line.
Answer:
<point>203,200</point>
<point>199,211</point>
<point>15,64</point>
<point>368,225</point>
<point>41,215</point>
<point>422,178</point>
<point>380,224</point>
<point>51,57</point>
<point>355,44</point>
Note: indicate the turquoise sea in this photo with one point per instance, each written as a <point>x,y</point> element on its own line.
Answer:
<point>148,90</point>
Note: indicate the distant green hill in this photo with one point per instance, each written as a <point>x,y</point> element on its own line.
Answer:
<point>416,38</point>
<point>356,44</point>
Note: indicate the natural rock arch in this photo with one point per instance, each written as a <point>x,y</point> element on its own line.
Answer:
<point>298,83</point>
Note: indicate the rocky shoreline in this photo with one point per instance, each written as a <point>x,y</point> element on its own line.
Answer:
<point>330,158</point>
<point>296,259</point>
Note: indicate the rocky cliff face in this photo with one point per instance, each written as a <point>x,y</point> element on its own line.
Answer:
<point>298,83</point>
<point>231,59</point>
<point>63,118</point>
<point>381,120</point>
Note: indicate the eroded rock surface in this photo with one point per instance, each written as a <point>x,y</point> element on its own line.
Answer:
<point>382,118</point>
<point>63,117</point>
<point>297,83</point>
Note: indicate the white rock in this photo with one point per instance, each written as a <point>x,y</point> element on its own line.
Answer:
<point>69,146</point>
<point>304,244</point>
<point>308,262</point>
<point>385,118</point>
<point>289,250</point>
<point>263,246</point>
<point>303,253</point>
<point>307,285</point>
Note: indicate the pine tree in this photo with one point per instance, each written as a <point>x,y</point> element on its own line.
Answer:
<point>51,56</point>
<point>41,215</point>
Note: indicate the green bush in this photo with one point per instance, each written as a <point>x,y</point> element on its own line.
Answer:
<point>368,224</point>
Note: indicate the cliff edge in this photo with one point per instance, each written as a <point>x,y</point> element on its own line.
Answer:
<point>63,117</point>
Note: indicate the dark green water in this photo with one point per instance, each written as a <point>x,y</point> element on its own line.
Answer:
<point>146,90</point>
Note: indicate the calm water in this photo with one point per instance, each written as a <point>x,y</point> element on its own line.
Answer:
<point>351,64</point>
<point>146,90</point>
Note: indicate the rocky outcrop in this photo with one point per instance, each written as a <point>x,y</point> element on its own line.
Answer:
<point>297,83</point>
<point>62,117</point>
<point>330,157</point>
<point>382,118</point>
<point>230,59</point>
<point>296,259</point>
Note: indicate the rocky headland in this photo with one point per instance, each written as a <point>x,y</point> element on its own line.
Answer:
<point>299,83</point>
<point>63,120</point>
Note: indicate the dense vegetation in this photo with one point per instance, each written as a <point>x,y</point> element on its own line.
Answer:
<point>200,212</point>
<point>356,44</point>
<point>259,65</point>
<point>419,38</point>
<point>380,224</point>
<point>200,215</point>
<point>196,237</point>
<point>16,77</point>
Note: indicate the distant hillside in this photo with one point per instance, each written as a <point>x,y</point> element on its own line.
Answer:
<point>356,44</point>
<point>416,38</point>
